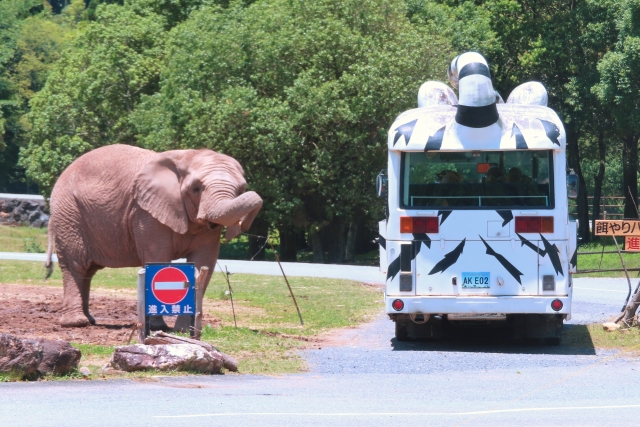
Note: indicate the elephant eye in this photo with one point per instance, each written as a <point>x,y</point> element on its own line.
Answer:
<point>196,189</point>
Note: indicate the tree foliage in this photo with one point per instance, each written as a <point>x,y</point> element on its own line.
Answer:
<point>302,93</point>
<point>92,90</point>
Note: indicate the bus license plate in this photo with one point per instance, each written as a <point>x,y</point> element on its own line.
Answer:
<point>476,280</point>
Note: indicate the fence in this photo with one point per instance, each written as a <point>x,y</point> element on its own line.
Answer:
<point>611,207</point>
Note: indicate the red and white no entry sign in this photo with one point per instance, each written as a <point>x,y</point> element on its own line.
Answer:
<point>170,285</point>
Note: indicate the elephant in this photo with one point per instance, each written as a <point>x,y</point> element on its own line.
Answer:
<point>124,206</point>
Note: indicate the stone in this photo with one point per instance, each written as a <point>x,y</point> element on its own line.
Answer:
<point>85,372</point>
<point>19,355</point>
<point>163,338</point>
<point>170,357</point>
<point>610,326</point>
<point>59,357</point>
<point>33,212</point>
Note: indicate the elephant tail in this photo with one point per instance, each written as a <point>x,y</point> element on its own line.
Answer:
<point>48,265</point>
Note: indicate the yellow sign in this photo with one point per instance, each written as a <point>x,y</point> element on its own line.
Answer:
<point>632,243</point>
<point>625,227</point>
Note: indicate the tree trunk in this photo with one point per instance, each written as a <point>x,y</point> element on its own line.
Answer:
<point>333,238</point>
<point>573,152</point>
<point>598,179</point>
<point>288,244</point>
<point>629,313</point>
<point>350,249</point>
<point>316,245</point>
<point>630,175</point>
<point>257,244</point>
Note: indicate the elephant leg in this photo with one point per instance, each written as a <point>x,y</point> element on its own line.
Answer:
<point>75,298</point>
<point>203,257</point>
<point>183,322</point>
<point>84,292</point>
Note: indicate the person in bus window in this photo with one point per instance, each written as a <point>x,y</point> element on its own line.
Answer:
<point>495,175</point>
<point>448,177</point>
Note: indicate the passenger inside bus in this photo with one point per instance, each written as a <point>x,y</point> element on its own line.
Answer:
<point>485,179</point>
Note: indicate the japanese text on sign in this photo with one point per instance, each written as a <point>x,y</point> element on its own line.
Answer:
<point>169,309</point>
<point>605,227</point>
<point>632,243</point>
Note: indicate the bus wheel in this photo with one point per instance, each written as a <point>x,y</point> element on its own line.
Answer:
<point>401,332</point>
<point>552,341</point>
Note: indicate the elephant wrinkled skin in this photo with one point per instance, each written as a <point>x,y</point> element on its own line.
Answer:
<point>123,206</point>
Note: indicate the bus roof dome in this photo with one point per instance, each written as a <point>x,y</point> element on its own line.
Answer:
<point>477,119</point>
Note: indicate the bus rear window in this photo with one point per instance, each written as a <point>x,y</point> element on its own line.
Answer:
<point>480,179</point>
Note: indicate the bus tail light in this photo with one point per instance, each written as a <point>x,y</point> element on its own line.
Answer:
<point>419,224</point>
<point>397,304</point>
<point>556,305</point>
<point>534,224</point>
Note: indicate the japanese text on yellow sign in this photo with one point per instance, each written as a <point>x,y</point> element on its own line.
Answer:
<point>605,227</point>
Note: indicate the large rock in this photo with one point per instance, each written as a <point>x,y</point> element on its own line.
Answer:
<point>160,337</point>
<point>22,212</point>
<point>19,355</point>
<point>610,326</point>
<point>171,357</point>
<point>59,357</point>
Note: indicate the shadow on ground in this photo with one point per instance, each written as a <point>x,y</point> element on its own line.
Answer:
<point>576,340</point>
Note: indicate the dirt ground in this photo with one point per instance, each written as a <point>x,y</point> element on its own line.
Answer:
<point>32,311</point>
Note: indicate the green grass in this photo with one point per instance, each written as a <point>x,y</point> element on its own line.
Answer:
<point>590,262</point>
<point>94,350</point>
<point>12,238</point>
<point>27,239</point>
<point>595,336</point>
<point>32,273</point>
<point>269,331</point>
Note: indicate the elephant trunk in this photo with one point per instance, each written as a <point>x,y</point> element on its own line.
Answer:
<point>230,212</point>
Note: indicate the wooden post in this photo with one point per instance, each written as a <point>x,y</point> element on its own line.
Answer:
<point>200,282</point>
<point>141,314</point>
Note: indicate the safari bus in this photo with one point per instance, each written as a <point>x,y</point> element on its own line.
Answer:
<point>477,227</point>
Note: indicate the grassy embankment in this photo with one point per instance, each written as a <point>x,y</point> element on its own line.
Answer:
<point>268,330</point>
<point>606,261</point>
<point>22,239</point>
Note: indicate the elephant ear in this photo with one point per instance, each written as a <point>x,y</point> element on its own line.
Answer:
<point>157,191</point>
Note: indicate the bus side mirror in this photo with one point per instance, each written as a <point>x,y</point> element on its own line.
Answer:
<point>381,184</point>
<point>572,185</point>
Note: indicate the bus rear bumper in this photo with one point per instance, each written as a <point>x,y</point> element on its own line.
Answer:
<point>479,305</point>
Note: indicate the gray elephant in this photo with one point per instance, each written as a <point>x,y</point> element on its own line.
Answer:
<point>123,206</point>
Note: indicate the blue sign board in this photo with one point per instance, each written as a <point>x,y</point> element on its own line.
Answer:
<point>170,289</point>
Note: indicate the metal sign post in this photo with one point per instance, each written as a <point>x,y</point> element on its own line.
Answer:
<point>165,289</point>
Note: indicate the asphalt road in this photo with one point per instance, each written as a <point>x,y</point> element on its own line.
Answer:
<point>370,379</point>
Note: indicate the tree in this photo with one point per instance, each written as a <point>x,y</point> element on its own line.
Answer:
<point>302,94</point>
<point>92,90</point>
<point>618,90</point>
<point>12,16</point>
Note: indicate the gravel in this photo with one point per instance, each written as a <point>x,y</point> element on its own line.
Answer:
<point>372,348</point>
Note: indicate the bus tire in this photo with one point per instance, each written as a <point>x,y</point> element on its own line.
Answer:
<point>554,341</point>
<point>402,334</point>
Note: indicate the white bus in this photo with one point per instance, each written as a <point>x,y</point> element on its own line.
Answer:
<point>477,226</point>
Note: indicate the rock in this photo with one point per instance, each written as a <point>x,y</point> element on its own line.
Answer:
<point>19,355</point>
<point>163,338</point>
<point>179,357</point>
<point>33,212</point>
<point>229,362</point>
<point>85,372</point>
<point>59,357</point>
<point>610,326</point>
